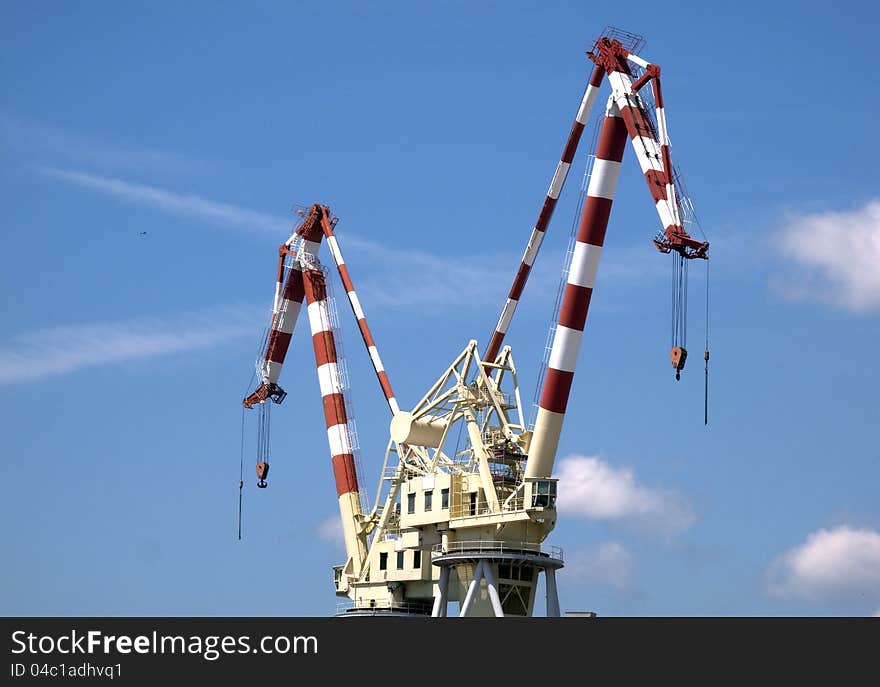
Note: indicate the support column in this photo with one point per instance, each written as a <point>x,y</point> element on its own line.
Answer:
<point>472,590</point>
<point>442,599</point>
<point>492,585</point>
<point>552,593</point>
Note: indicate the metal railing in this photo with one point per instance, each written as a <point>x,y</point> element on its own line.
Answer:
<point>488,546</point>
<point>383,607</point>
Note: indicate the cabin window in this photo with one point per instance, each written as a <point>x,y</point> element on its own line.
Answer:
<point>400,560</point>
<point>383,561</point>
<point>444,498</point>
<point>417,559</point>
<point>429,500</point>
<point>544,493</point>
<point>410,503</point>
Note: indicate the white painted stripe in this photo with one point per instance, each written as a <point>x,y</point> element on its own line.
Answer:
<point>648,153</point>
<point>310,247</point>
<point>638,60</point>
<point>665,211</point>
<point>584,264</point>
<point>621,85</point>
<point>337,437</point>
<point>603,178</point>
<point>566,345</point>
<point>271,371</point>
<point>394,407</point>
<point>328,378</point>
<point>558,180</point>
<point>277,302</point>
<point>356,305</point>
<point>670,193</point>
<point>590,94</point>
<point>661,126</point>
<point>506,315</point>
<point>611,109</point>
<point>319,319</point>
<point>625,99</point>
<point>377,361</point>
<point>334,250</point>
<point>533,246</point>
<point>288,315</point>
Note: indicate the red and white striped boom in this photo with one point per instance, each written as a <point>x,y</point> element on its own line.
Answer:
<point>556,185</point>
<point>335,413</point>
<point>305,281</point>
<point>358,311</point>
<point>285,310</point>
<point>626,117</point>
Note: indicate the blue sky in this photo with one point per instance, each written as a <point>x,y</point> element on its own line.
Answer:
<point>432,130</point>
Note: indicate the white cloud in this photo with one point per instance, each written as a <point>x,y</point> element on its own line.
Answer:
<point>591,488</point>
<point>58,350</point>
<point>611,564</point>
<point>843,562</point>
<point>420,278</point>
<point>838,254</point>
<point>183,204</point>
<point>330,529</point>
<point>35,139</point>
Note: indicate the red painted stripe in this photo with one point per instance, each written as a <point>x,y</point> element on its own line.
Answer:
<point>656,184</point>
<point>597,76</point>
<point>311,229</point>
<point>334,410</point>
<point>386,385</point>
<point>519,281</point>
<point>545,214</point>
<point>294,289</point>
<point>346,278</point>
<point>325,348</point>
<point>345,474</point>
<point>279,342</point>
<point>366,333</point>
<point>667,161</point>
<point>557,386</point>
<point>594,220</point>
<point>575,304</point>
<point>314,284</point>
<point>641,81</point>
<point>574,138</point>
<point>612,139</point>
<point>637,124</point>
<point>494,346</point>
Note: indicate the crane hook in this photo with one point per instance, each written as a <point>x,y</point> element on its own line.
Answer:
<point>262,473</point>
<point>678,356</point>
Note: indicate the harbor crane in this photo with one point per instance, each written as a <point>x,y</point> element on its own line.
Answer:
<point>467,497</point>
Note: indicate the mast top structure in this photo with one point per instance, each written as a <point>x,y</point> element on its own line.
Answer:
<point>466,496</point>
